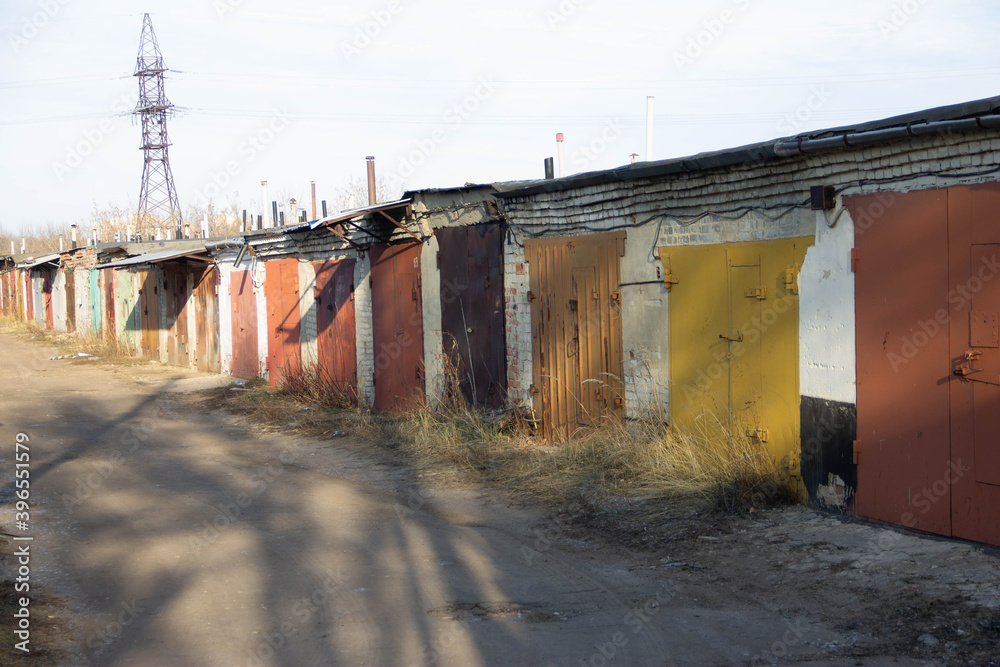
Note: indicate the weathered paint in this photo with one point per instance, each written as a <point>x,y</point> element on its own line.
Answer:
<point>58,299</point>
<point>175,324</point>
<point>283,319</point>
<point>928,305</point>
<point>576,331</point>
<point>69,303</point>
<point>94,292</point>
<point>645,327</point>
<point>308,343</point>
<point>472,309</point>
<point>335,323</point>
<point>108,322</point>
<point>397,326</point>
<point>245,360</point>
<point>149,306</point>
<point>127,317</point>
<point>734,342</point>
<point>206,308</point>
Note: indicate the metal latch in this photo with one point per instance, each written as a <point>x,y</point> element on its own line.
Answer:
<point>531,296</point>
<point>971,356</point>
<point>759,293</point>
<point>791,280</point>
<point>737,339</point>
<point>760,434</point>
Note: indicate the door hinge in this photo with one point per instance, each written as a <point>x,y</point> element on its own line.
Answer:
<point>668,279</point>
<point>854,260</point>
<point>760,434</point>
<point>759,293</point>
<point>856,447</point>
<point>531,296</point>
<point>793,464</point>
<point>791,280</point>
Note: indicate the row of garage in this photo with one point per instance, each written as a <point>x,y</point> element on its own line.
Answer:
<point>827,295</point>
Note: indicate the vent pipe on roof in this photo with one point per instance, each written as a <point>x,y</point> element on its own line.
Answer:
<point>274,213</point>
<point>204,227</point>
<point>60,244</point>
<point>562,154</point>
<point>12,248</point>
<point>22,245</point>
<point>72,235</point>
<point>372,197</point>
<point>649,128</point>
<point>263,204</point>
<point>312,184</point>
<point>550,170</point>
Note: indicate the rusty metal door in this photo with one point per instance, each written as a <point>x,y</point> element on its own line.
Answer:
<point>206,308</point>
<point>472,310</point>
<point>108,276</point>
<point>245,362</point>
<point>70,301</point>
<point>281,288</point>
<point>175,289</point>
<point>576,330</point>
<point>47,295</point>
<point>149,304</point>
<point>335,323</point>
<point>29,297</point>
<point>397,326</point>
<point>927,303</point>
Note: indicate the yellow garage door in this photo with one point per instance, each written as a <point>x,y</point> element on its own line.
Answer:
<point>734,331</point>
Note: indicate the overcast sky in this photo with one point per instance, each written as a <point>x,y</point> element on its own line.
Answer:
<point>445,92</point>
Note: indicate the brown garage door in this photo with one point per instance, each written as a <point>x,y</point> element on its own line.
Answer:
<point>397,325</point>
<point>576,331</point>
<point>472,310</point>
<point>336,344</point>
<point>245,362</point>
<point>284,355</point>
<point>928,359</point>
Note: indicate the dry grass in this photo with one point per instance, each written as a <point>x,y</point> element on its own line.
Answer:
<point>719,470</point>
<point>108,348</point>
<point>315,385</point>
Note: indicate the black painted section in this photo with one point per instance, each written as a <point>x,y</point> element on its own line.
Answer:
<point>829,429</point>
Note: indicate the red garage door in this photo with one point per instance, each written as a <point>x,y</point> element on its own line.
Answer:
<point>928,359</point>
<point>397,324</point>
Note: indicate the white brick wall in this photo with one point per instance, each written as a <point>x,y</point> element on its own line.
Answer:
<point>517,313</point>
<point>363,322</point>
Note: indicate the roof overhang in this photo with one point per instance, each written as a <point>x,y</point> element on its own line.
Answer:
<point>196,254</point>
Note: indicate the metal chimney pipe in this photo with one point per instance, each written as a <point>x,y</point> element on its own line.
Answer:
<point>60,244</point>
<point>562,155</point>
<point>72,235</point>
<point>312,184</point>
<point>12,248</point>
<point>22,245</point>
<point>371,180</point>
<point>550,170</point>
<point>324,208</point>
<point>204,227</point>
<point>263,204</point>
<point>274,214</point>
<point>159,233</point>
<point>649,128</point>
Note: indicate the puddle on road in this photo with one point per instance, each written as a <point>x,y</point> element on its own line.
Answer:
<point>488,611</point>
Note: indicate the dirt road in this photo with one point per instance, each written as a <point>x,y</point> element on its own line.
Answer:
<point>168,535</point>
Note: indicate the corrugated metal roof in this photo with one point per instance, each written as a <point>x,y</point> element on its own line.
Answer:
<point>354,213</point>
<point>152,258</point>
<point>32,262</point>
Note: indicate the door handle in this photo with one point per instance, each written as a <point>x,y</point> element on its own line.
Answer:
<point>737,339</point>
